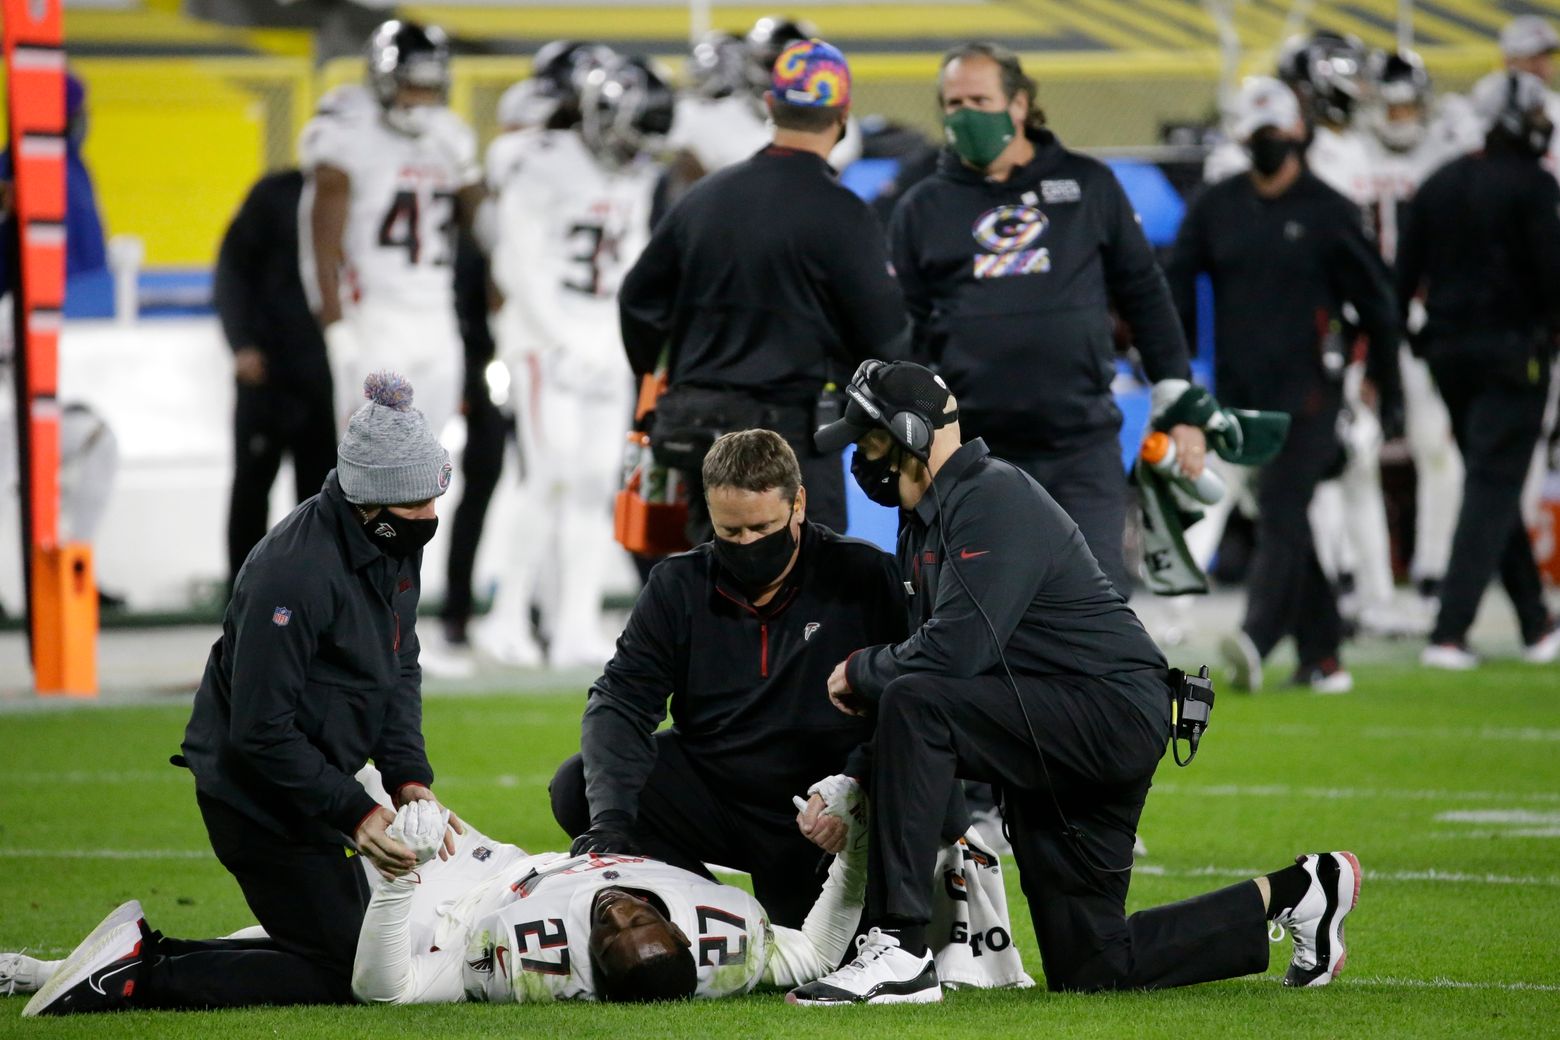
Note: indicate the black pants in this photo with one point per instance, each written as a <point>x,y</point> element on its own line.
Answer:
<point>481,464</point>
<point>309,898</point>
<point>1100,753</point>
<point>1497,418</point>
<point>1286,591</point>
<point>1089,482</point>
<point>268,423</point>
<point>685,823</point>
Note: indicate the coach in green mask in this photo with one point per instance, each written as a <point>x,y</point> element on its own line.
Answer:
<point>1010,255</point>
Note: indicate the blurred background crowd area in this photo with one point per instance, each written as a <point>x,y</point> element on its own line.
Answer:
<point>190,102</point>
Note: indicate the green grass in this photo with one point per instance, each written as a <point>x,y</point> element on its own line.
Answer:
<point>1279,773</point>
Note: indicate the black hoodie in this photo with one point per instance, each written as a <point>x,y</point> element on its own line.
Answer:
<point>1010,287</point>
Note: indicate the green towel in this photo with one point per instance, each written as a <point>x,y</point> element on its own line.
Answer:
<point>1239,436</point>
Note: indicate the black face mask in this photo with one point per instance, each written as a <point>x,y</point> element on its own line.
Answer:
<point>759,563</point>
<point>1269,152</point>
<point>877,479</point>
<point>397,536</point>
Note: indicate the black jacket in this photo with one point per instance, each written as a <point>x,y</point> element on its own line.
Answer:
<point>258,288</point>
<point>747,687</point>
<point>767,277</point>
<point>1282,269</point>
<point>1483,242</point>
<point>315,673</point>
<point>1026,564</point>
<point>1010,287</point>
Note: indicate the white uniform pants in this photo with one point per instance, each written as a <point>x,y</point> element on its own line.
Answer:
<point>423,346</point>
<point>571,433</point>
<point>1438,469</point>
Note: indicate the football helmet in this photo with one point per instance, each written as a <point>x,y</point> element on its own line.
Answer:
<point>1326,70</point>
<point>626,107</point>
<point>769,36</point>
<point>717,65</point>
<point>405,54</point>
<point>1398,82</point>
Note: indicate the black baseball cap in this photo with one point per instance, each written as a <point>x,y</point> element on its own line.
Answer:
<point>880,390</point>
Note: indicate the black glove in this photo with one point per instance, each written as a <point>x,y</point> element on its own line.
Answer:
<point>608,834</point>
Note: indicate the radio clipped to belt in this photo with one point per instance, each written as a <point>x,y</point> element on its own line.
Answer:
<point>650,513</point>
<point>1191,705</point>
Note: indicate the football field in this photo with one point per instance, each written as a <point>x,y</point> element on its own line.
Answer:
<point>1447,787</point>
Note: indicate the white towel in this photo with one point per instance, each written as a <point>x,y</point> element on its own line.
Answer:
<point>970,934</point>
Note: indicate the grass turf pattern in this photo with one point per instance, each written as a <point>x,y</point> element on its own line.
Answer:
<point>1447,786</point>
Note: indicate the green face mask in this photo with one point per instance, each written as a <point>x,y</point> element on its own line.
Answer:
<point>978,137</point>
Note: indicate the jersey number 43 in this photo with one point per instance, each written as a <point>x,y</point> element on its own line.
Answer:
<point>403,227</point>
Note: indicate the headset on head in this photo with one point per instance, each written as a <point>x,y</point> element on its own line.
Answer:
<point>910,429</point>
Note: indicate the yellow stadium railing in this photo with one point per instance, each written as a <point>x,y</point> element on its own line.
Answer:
<point>175,143</point>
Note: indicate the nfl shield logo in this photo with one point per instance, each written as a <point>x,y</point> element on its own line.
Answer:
<point>280,616</point>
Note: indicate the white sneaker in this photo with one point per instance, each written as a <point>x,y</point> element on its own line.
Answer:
<point>20,973</point>
<point>1316,922</point>
<point>882,973</point>
<point>1245,664</point>
<point>1389,622</point>
<point>1448,657</point>
<point>585,652</point>
<point>1329,678</point>
<point>442,659</point>
<point>514,648</point>
<point>1545,650</point>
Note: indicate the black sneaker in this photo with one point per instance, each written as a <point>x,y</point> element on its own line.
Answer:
<point>100,975</point>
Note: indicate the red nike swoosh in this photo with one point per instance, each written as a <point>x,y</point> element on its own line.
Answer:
<point>965,554</point>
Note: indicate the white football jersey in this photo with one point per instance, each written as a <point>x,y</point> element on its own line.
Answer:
<point>567,228</point>
<point>1396,175</point>
<point>399,239</point>
<point>721,132</point>
<point>1341,158</point>
<point>533,945</point>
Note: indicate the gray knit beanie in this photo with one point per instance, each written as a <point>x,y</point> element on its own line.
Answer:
<point>389,456</point>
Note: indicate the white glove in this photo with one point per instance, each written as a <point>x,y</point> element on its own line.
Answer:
<point>842,798</point>
<point>420,826</point>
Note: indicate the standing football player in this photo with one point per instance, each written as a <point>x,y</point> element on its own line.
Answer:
<point>391,172</point>
<point>1408,140</point>
<point>573,213</point>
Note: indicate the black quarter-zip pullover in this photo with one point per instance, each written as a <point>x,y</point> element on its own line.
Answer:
<point>746,685</point>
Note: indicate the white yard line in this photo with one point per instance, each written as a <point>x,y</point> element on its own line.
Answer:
<point>1523,816</point>
<point>1432,876</point>
<point>1493,734</point>
<point>1444,983</point>
<point>1413,794</point>
<point>111,777</point>
<point>8,853</point>
<point>516,780</point>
